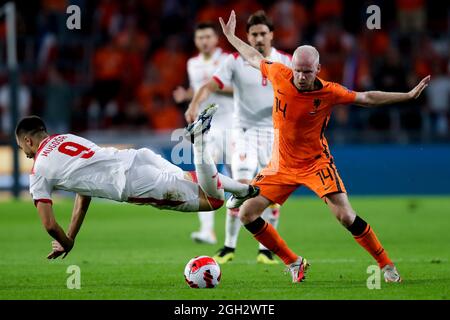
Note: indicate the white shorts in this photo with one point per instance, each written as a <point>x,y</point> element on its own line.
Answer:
<point>152,180</point>
<point>252,151</point>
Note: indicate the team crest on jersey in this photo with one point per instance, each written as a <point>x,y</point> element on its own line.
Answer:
<point>316,104</point>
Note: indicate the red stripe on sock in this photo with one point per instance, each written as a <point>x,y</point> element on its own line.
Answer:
<point>219,184</point>
<point>193,176</point>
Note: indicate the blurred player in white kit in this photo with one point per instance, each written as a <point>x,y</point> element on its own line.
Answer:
<point>200,70</point>
<point>72,163</point>
<point>252,123</point>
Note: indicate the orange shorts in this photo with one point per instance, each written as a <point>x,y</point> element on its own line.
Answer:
<point>321,177</point>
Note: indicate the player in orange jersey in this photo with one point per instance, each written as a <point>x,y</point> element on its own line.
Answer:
<point>302,106</point>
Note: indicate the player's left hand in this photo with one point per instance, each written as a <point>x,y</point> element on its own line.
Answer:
<point>230,27</point>
<point>415,93</point>
<point>179,94</point>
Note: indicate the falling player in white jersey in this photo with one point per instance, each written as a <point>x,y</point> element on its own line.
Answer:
<point>200,69</point>
<point>71,163</point>
<point>252,123</point>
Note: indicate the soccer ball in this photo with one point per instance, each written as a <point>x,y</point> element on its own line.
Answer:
<point>202,272</point>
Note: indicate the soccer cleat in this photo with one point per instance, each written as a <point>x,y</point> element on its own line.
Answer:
<point>266,257</point>
<point>298,269</point>
<point>391,274</point>
<point>204,237</point>
<point>224,255</point>
<point>202,124</point>
<point>235,201</point>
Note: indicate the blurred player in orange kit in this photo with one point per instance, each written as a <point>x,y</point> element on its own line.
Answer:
<point>302,107</point>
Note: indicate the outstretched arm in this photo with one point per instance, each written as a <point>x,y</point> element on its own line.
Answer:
<point>250,54</point>
<point>79,211</point>
<point>62,242</point>
<point>377,98</point>
<point>201,95</point>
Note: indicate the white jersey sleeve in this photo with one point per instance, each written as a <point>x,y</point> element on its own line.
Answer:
<point>283,57</point>
<point>224,75</point>
<point>191,72</point>
<point>200,71</point>
<point>40,188</point>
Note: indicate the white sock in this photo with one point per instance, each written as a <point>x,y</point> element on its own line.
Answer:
<point>233,186</point>
<point>275,216</point>
<point>232,227</point>
<point>207,175</point>
<point>271,214</point>
<point>206,221</point>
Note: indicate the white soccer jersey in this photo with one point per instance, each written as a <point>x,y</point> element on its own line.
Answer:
<point>253,94</point>
<point>68,162</point>
<point>200,71</point>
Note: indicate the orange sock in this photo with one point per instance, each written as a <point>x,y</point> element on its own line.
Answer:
<point>369,241</point>
<point>266,234</point>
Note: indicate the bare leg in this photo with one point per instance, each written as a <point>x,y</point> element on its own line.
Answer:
<point>361,230</point>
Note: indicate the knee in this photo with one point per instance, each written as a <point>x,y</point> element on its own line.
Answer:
<point>246,216</point>
<point>345,216</point>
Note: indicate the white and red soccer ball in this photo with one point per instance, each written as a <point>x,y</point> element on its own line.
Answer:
<point>202,272</point>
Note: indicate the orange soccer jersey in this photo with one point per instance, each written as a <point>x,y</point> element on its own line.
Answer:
<point>300,153</point>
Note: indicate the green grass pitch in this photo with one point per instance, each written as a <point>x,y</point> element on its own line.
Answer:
<point>132,252</point>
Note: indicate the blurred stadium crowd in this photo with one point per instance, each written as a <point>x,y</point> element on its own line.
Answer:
<point>119,71</point>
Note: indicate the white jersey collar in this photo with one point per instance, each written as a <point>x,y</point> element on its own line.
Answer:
<point>214,56</point>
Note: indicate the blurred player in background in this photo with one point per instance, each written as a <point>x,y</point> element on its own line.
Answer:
<point>252,123</point>
<point>72,163</point>
<point>302,108</point>
<point>200,69</point>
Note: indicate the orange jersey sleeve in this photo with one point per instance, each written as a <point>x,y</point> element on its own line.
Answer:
<point>270,69</point>
<point>341,94</point>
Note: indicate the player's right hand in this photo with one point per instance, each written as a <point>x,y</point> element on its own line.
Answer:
<point>191,113</point>
<point>179,94</point>
<point>55,254</point>
<point>58,249</point>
